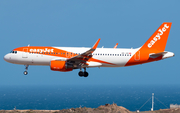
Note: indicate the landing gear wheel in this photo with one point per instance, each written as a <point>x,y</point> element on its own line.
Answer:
<point>86,74</point>
<point>81,74</point>
<point>25,72</point>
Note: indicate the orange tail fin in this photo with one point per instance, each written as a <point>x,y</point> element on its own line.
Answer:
<point>158,40</point>
<point>154,47</point>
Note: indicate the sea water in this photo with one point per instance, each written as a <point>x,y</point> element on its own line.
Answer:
<point>56,97</point>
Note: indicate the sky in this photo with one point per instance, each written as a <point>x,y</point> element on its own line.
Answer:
<point>79,23</point>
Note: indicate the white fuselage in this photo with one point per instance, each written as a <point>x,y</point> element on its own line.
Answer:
<point>107,57</point>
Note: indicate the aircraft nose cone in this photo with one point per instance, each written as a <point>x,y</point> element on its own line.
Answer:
<point>7,58</point>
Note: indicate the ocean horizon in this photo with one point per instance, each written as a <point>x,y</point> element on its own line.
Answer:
<point>57,97</point>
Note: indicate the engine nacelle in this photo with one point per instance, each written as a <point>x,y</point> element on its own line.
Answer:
<point>59,66</point>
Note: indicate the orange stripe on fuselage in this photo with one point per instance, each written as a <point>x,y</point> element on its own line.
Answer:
<point>100,61</point>
<point>144,57</point>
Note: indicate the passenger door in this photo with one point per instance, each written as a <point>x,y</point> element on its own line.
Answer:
<point>25,53</point>
<point>137,56</point>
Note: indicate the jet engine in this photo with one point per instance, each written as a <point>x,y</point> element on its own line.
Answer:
<point>59,66</point>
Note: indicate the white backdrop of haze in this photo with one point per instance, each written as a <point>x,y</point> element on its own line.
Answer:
<point>79,23</point>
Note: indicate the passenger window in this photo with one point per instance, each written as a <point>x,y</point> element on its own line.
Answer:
<point>122,54</point>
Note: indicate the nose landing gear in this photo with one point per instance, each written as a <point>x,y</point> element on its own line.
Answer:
<point>25,72</point>
<point>83,74</point>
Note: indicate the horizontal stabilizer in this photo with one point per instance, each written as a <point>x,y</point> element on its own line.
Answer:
<point>155,55</point>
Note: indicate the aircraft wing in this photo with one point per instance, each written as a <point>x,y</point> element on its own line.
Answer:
<point>155,55</point>
<point>82,58</point>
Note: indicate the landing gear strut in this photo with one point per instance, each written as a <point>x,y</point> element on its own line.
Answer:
<point>25,72</point>
<point>83,74</point>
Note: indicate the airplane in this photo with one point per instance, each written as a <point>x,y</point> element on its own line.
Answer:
<point>66,59</point>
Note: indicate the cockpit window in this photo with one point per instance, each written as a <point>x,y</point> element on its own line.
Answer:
<point>14,52</point>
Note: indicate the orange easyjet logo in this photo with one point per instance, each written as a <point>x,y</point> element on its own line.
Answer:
<point>158,36</point>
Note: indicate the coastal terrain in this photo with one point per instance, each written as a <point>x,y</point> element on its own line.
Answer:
<point>107,108</point>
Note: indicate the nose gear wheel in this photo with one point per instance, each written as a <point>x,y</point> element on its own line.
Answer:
<point>25,72</point>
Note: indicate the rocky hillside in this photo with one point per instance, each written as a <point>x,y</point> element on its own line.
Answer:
<point>113,108</point>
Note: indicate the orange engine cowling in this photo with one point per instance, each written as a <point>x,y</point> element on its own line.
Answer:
<point>59,66</point>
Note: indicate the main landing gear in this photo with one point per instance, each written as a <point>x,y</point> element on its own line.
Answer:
<point>83,74</point>
<point>25,72</point>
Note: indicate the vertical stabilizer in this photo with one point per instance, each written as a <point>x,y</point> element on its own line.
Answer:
<point>159,39</point>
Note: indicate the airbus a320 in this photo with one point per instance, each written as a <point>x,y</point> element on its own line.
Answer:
<point>66,59</point>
